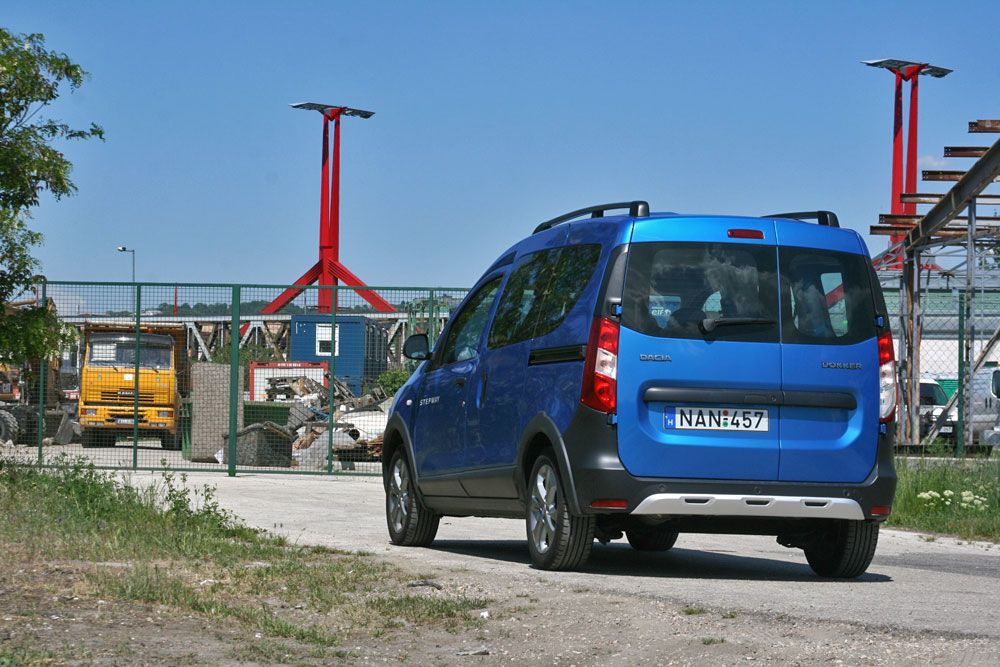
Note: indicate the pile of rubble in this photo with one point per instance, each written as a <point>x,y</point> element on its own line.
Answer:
<point>353,432</point>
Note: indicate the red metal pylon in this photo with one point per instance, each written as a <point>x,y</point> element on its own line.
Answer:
<point>329,270</point>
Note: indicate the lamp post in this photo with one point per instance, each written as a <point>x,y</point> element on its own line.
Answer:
<point>122,248</point>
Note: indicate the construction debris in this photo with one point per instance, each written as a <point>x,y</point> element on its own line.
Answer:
<point>352,433</point>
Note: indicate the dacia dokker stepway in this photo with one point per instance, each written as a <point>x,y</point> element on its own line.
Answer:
<point>646,374</point>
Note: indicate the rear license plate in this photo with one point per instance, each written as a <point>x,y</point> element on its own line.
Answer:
<point>124,421</point>
<point>716,419</point>
<point>945,429</point>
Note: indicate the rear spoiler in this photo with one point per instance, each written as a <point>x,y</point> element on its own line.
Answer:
<point>825,218</point>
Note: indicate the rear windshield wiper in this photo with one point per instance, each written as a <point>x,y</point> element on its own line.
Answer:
<point>710,323</point>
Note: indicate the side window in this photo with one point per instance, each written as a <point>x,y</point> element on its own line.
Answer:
<point>573,271</point>
<point>467,327</point>
<point>522,299</point>
<point>828,297</point>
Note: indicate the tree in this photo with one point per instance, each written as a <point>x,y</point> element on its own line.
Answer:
<point>31,78</point>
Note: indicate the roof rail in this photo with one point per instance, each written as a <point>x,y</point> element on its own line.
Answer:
<point>825,218</point>
<point>636,209</point>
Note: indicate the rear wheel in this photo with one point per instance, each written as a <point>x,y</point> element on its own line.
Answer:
<point>410,523</point>
<point>651,538</point>
<point>845,550</point>
<point>9,428</point>
<point>557,540</point>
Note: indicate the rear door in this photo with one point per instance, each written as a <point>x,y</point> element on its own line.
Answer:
<point>699,358</point>
<point>829,356</point>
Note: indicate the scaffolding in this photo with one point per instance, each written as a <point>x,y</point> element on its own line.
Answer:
<point>943,251</point>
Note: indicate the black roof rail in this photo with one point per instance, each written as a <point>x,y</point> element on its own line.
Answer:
<point>636,209</point>
<point>825,218</point>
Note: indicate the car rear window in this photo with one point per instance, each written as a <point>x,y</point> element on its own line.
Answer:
<point>671,289</point>
<point>826,297</point>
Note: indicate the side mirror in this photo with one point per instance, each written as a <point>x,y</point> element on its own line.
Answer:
<point>417,347</point>
<point>996,383</point>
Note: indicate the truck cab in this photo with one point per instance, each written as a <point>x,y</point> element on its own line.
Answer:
<point>130,382</point>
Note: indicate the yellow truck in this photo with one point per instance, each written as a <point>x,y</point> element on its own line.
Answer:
<point>108,383</point>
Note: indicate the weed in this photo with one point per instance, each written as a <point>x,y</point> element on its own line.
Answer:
<point>960,499</point>
<point>692,611</point>
<point>711,641</point>
<point>729,614</point>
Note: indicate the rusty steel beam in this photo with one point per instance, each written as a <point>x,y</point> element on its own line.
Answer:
<point>935,197</point>
<point>946,175</point>
<point>984,126</point>
<point>888,219</point>
<point>965,151</point>
<point>979,176</point>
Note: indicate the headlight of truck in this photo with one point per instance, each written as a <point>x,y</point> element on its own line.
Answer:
<point>90,412</point>
<point>163,413</point>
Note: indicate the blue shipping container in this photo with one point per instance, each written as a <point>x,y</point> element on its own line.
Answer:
<point>359,347</point>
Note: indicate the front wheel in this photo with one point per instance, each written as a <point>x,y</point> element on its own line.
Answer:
<point>845,550</point>
<point>410,523</point>
<point>557,540</point>
<point>170,441</point>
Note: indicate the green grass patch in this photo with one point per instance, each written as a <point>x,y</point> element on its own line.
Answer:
<point>961,498</point>
<point>173,546</point>
<point>693,611</point>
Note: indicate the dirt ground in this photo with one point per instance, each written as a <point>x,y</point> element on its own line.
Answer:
<point>48,616</point>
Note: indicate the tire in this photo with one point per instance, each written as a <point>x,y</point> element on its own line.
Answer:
<point>9,428</point>
<point>557,540</point>
<point>94,437</point>
<point>410,523</point>
<point>651,538</point>
<point>170,441</point>
<point>845,551</point>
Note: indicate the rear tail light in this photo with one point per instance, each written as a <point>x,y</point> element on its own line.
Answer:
<point>886,378</point>
<point>881,510</point>
<point>600,372</point>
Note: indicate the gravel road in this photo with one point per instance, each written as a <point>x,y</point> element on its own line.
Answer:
<point>933,600</point>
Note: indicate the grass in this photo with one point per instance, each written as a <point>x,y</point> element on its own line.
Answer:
<point>693,611</point>
<point>930,498</point>
<point>711,641</point>
<point>176,548</point>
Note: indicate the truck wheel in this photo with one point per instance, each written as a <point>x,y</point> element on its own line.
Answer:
<point>170,441</point>
<point>9,428</point>
<point>651,538</point>
<point>94,437</point>
<point>845,551</point>
<point>557,540</point>
<point>410,523</point>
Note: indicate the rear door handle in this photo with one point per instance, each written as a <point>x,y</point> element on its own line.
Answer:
<point>460,382</point>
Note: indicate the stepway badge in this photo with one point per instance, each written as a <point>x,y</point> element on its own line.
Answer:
<point>669,418</point>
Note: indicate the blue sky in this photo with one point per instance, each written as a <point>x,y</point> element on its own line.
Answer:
<point>490,117</point>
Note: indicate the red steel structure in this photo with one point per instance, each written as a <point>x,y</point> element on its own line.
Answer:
<point>329,270</point>
<point>904,70</point>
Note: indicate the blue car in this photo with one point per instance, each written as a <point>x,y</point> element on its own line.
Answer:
<point>641,375</point>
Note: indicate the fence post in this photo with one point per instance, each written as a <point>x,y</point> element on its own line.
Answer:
<point>234,380</point>
<point>332,370</point>
<point>960,427</point>
<point>431,320</point>
<point>135,370</point>
<point>43,371</point>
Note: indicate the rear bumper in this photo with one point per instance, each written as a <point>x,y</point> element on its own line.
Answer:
<point>597,473</point>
